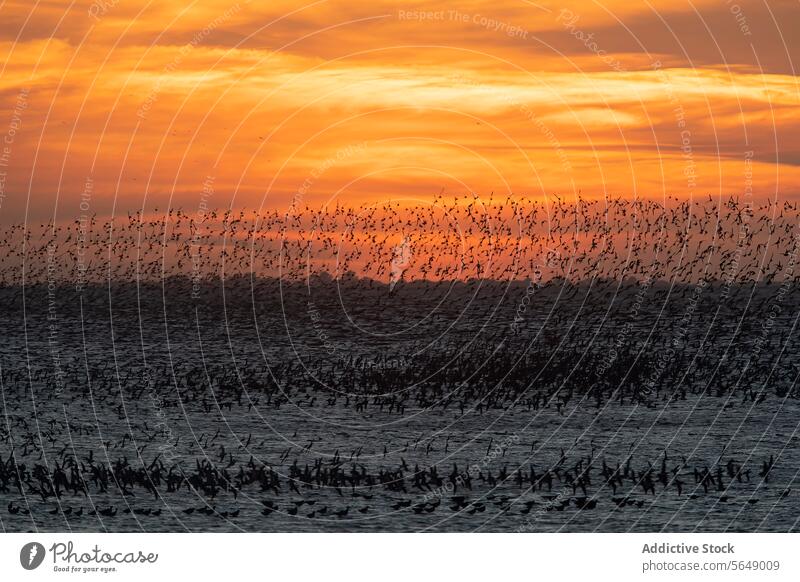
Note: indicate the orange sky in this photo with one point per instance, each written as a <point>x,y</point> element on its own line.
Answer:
<point>272,102</point>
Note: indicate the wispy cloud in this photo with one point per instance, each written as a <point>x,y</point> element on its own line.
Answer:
<point>484,97</point>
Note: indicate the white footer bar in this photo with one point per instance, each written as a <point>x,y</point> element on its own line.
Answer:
<point>399,557</point>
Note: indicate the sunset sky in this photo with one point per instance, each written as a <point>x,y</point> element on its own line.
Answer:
<point>120,105</point>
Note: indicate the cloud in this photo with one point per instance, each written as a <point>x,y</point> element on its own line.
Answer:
<point>149,101</point>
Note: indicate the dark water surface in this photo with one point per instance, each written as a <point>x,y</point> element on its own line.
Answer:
<point>343,407</point>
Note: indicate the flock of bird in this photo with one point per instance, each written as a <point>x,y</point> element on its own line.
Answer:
<point>462,238</point>
<point>134,397</point>
<point>582,482</point>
